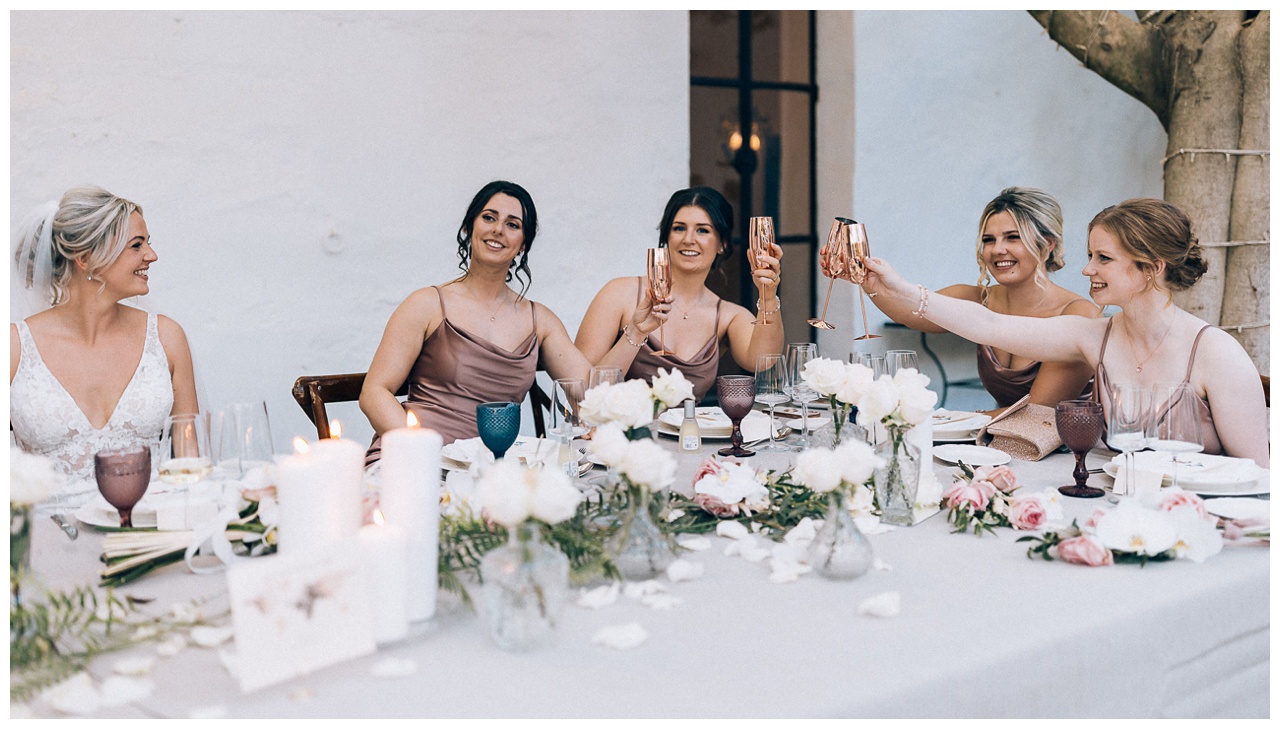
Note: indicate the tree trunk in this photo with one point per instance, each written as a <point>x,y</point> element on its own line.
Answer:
<point>1206,76</point>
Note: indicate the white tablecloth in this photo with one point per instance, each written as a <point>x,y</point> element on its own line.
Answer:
<point>984,632</point>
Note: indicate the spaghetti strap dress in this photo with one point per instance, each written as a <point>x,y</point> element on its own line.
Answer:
<point>699,370</point>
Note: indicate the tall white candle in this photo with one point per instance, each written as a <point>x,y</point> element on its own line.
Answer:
<point>319,491</point>
<point>384,551</point>
<point>410,499</point>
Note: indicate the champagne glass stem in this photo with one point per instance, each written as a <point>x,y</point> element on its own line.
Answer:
<point>866,329</point>
<point>830,285</point>
<point>773,433</point>
<point>804,414</point>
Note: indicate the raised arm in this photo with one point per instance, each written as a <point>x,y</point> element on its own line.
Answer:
<point>562,358</point>
<point>1052,339</point>
<point>611,310</point>
<point>181,370</point>
<point>1234,391</point>
<point>900,311</point>
<point>746,340</point>
<point>408,328</point>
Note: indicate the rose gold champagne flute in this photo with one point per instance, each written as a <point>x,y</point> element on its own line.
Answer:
<point>859,248</point>
<point>834,258</point>
<point>660,286</point>
<point>761,243</point>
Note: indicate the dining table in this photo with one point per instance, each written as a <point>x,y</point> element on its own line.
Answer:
<point>983,631</point>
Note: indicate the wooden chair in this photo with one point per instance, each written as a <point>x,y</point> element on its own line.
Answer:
<point>1266,388</point>
<point>314,392</point>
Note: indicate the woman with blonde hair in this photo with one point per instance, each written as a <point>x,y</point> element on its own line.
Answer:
<point>1019,245</point>
<point>1139,252</point>
<point>88,372</point>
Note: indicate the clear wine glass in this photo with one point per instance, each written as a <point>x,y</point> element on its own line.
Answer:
<point>736,393</point>
<point>1080,425</point>
<point>856,273</point>
<point>834,259</point>
<point>185,456</point>
<point>240,434</point>
<point>900,359</point>
<point>1177,424</point>
<point>798,355</point>
<point>659,267</point>
<point>498,424</point>
<point>566,399</point>
<point>760,237</point>
<point>771,385</point>
<point>1127,426</point>
<point>123,475</point>
<point>604,376</point>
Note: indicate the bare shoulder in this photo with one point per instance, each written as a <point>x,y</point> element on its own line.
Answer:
<point>1083,307</point>
<point>1223,351</point>
<point>547,319</point>
<point>964,292</point>
<point>621,290</point>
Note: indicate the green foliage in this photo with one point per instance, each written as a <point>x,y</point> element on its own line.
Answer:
<point>789,503</point>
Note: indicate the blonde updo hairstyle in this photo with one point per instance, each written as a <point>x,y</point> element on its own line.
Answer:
<point>1149,231</point>
<point>1038,218</point>
<point>92,224</point>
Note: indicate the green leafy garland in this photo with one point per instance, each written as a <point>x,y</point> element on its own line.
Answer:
<point>1043,545</point>
<point>789,503</point>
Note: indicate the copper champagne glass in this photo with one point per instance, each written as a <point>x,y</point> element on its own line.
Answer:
<point>1080,426</point>
<point>859,249</point>
<point>834,258</point>
<point>659,267</point>
<point>760,235</point>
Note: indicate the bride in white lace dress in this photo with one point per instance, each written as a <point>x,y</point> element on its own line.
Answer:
<point>90,372</point>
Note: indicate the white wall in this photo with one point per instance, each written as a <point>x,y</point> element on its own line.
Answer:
<point>302,172</point>
<point>952,107</point>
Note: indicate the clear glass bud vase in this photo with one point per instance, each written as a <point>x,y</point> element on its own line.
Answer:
<point>839,551</point>
<point>638,548</point>
<point>525,584</point>
<point>897,480</point>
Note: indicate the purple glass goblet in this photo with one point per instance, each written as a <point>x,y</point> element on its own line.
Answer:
<point>1080,426</point>
<point>737,393</point>
<point>123,475</point>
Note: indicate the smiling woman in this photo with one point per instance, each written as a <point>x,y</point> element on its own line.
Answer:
<point>91,373</point>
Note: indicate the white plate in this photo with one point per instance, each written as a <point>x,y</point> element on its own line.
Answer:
<point>1241,478</point>
<point>968,438</point>
<point>712,422</point>
<point>972,455</point>
<point>1232,508</point>
<point>754,427</point>
<point>97,512</point>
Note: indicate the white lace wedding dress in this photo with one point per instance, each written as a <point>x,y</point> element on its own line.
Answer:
<point>46,420</point>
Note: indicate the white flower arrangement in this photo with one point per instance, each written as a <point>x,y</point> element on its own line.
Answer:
<point>643,463</point>
<point>634,404</point>
<point>847,467</point>
<point>728,489</point>
<point>32,478</point>
<point>510,494</point>
<point>670,389</point>
<point>901,401</point>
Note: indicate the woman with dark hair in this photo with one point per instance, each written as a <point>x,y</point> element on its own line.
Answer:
<point>1019,245</point>
<point>696,227</point>
<point>1139,252</point>
<point>473,339</point>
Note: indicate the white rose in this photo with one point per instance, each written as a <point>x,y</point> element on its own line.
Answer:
<point>555,498</point>
<point>630,404</point>
<point>878,403</point>
<point>32,478</point>
<point>504,493</point>
<point>857,461</point>
<point>671,388</point>
<point>856,381</point>
<point>816,470</point>
<point>609,445</point>
<point>649,464</point>
<point>917,400</point>
<point>824,376</point>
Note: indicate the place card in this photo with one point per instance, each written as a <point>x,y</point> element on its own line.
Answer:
<point>296,613</point>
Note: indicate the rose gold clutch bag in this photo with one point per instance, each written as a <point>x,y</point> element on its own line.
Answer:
<point>1025,430</point>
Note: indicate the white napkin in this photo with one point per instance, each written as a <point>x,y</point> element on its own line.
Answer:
<point>468,450</point>
<point>1193,466</point>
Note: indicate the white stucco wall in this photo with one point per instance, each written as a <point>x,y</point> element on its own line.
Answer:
<point>952,107</point>
<point>302,172</point>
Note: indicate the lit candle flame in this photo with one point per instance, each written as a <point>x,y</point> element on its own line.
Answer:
<point>378,518</point>
<point>410,420</point>
<point>300,445</point>
<point>335,428</point>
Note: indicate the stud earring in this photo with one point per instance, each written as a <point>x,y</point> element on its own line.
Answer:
<point>89,277</point>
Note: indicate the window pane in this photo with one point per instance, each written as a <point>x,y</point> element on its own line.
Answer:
<point>713,43</point>
<point>780,45</point>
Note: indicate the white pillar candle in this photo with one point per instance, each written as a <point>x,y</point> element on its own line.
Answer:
<point>410,499</point>
<point>384,550</point>
<point>319,491</point>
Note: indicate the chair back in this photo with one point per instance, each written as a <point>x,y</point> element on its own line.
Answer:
<point>313,392</point>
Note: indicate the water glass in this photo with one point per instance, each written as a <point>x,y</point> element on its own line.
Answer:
<point>798,355</point>
<point>900,359</point>
<point>604,376</point>
<point>1127,424</point>
<point>1176,424</point>
<point>771,386</point>
<point>241,438</point>
<point>185,457</point>
<point>565,400</point>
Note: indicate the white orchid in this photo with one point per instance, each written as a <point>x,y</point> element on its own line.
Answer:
<point>857,462</point>
<point>1198,539</point>
<point>1131,528</point>
<point>878,403</point>
<point>824,376</point>
<point>735,484</point>
<point>816,471</point>
<point>857,379</point>
<point>915,399</point>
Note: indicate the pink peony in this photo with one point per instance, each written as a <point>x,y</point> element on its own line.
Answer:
<point>961,493</point>
<point>1174,499</point>
<point>716,507</point>
<point>1002,477</point>
<point>709,467</point>
<point>1027,513</point>
<point>1084,550</point>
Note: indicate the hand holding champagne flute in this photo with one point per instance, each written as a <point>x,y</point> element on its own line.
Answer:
<point>659,266</point>
<point>856,272</point>
<point>760,238</point>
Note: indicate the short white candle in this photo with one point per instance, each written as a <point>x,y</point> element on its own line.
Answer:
<point>384,550</point>
<point>410,499</point>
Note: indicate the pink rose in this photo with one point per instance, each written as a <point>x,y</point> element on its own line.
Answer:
<point>1027,513</point>
<point>1097,514</point>
<point>1233,530</point>
<point>709,467</point>
<point>961,493</point>
<point>1174,499</point>
<point>1084,550</point>
<point>714,506</point>
<point>1002,477</point>
<point>987,488</point>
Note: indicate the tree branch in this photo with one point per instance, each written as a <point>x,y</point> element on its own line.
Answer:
<point>1124,52</point>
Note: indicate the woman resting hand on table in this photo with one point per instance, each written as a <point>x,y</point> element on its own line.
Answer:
<point>1139,251</point>
<point>88,372</point>
<point>1019,245</point>
<point>696,228</point>
<point>472,340</point>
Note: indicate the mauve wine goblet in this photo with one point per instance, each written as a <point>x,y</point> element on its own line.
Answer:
<point>737,393</point>
<point>123,475</point>
<point>1080,425</point>
<point>498,424</point>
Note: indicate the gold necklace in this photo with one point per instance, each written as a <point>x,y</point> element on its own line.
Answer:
<point>1138,367</point>
<point>694,305</point>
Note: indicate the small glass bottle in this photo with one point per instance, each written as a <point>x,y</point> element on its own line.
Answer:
<point>690,436</point>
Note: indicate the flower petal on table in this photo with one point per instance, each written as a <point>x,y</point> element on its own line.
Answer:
<point>871,525</point>
<point>230,660</point>
<point>693,542</point>
<point>661,601</point>
<point>683,570</point>
<point>120,690</point>
<point>802,533</point>
<point>599,597</point>
<point>134,666</point>
<point>881,605</point>
<point>207,636</point>
<point>212,711</point>
<point>637,590</point>
<point>394,668</point>
<point>674,514</point>
<point>621,637</point>
<point>785,571</point>
<point>77,695</point>
<point>880,565</point>
<point>171,646</point>
<point>731,529</point>
<point>739,545</point>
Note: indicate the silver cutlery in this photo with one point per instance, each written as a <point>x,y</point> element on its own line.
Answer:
<point>67,528</point>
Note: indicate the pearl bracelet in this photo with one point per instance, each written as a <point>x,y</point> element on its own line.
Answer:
<point>923,306</point>
<point>626,333</point>
<point>760,312</point>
